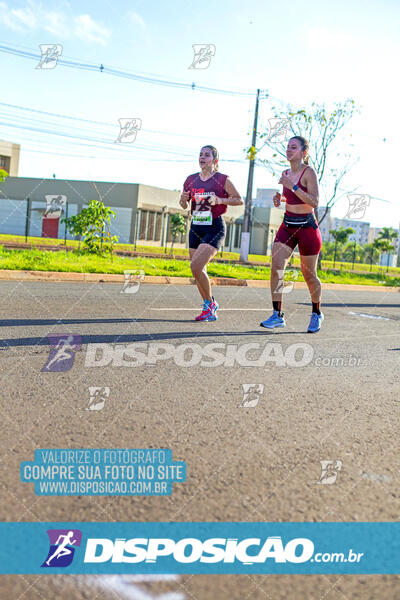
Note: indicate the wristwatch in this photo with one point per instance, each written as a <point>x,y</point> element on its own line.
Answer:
<point>295,187</point>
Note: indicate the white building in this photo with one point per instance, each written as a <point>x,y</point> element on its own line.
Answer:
<point>394,256</point>
<point>384,259</point>
<point>264,198</point>
<point>326,224</point>
<point>361,229</point>
<point>374,233</point>
<point>9,157</point>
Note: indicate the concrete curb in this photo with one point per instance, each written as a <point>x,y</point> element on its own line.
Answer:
<point>56,276</point>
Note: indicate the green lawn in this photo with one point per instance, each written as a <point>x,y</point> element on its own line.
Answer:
<point>38,260</point>
<point>327,264</point>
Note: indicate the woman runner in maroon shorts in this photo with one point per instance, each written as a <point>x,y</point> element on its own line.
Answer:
<point>299,227</point>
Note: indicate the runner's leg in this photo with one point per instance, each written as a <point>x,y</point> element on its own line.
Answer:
<point>199,260</point>
<point>280,256</point>
<point>192,252</point>
<point>309,270</point>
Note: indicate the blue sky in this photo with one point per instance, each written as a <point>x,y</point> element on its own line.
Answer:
<point>299,51</point>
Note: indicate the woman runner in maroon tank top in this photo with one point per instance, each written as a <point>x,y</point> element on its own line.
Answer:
<point>300,227</point>
<point>210,193</point>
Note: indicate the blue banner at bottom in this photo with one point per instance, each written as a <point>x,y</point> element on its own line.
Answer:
<point>207,548</point>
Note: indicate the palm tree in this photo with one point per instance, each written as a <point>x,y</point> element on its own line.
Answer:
<point>387,234</point>
<point>340,236</point>
<point>385,246</point>
<point>178,226</point>
<point>371,253</point>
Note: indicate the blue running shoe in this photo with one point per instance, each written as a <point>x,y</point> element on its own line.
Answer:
<point>315,323</point>
<point>274,321</point>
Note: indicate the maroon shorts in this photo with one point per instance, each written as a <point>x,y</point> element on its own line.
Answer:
<point>308,239</point>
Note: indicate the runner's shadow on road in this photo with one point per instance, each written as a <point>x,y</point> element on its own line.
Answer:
<point>359,304</point>
<point>141,337</point>
<point>41,322</point>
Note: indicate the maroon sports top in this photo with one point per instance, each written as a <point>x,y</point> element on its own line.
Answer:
<point>216,184</point>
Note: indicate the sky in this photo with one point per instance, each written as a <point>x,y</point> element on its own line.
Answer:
<point>297,52</point>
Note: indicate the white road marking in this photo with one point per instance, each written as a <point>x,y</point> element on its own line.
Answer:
<point>370,316</point>
<point>377,477</point>
<point>219,310</point>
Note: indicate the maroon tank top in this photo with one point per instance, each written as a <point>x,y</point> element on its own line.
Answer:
<point>216,184</point>
<point>290,196</point>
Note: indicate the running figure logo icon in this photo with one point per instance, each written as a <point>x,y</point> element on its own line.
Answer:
<point>55,206</point>
<point>132,281</point>
<point>128,130</point>
<point>50,55</point>
<point>251,394</point>
<point>358,204</point>
<point>204,201</point>
<point>62,351</point>
<point>329,471</point>
<point>291,277</point>
<point>278,129</point>
<point>61,551</point>
<point>98,397</point>
<point>203,54</point>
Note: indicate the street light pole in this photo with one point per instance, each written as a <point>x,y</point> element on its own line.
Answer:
<point>245,241</point>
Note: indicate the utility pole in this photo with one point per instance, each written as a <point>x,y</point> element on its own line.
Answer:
<point>245,240</point>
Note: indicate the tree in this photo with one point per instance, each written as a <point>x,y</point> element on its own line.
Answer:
<point>385,246</point>
<point>387,233</point>
<point>384,241</point>
<point>76,225</point>
<point>90,224</point>
<point>178,226</point>
<point>3,175</point>
<point>340,236</point>
<point>321,128</point>
<point>371,253</point>
<point>328,250</point>
<point>353,252</point>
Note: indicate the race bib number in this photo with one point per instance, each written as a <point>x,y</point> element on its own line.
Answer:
<point>202,217</point>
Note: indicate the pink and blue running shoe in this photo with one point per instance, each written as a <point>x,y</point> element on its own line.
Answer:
<point>209,312</point>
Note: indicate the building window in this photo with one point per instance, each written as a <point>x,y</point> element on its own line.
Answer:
<point>228,234</point>
<point>238,235</point>
<point>150,226</point>
<point>158,227</point>
<point>142,232</point>
<point>5,163</point>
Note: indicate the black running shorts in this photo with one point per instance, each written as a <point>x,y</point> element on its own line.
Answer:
<point>213,234</point>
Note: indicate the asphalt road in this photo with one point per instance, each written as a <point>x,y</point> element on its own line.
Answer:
<point>252,423</point>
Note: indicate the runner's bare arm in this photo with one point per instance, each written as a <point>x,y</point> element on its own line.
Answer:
<point>311,197</point>
<point>184,199</point>
<point>234,199</point>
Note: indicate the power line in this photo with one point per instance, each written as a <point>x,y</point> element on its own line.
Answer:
<point>107,124</point>
<point>69,132</point>
<point>106,144</point>
<point>125,74</point>
<point>174,160</point>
